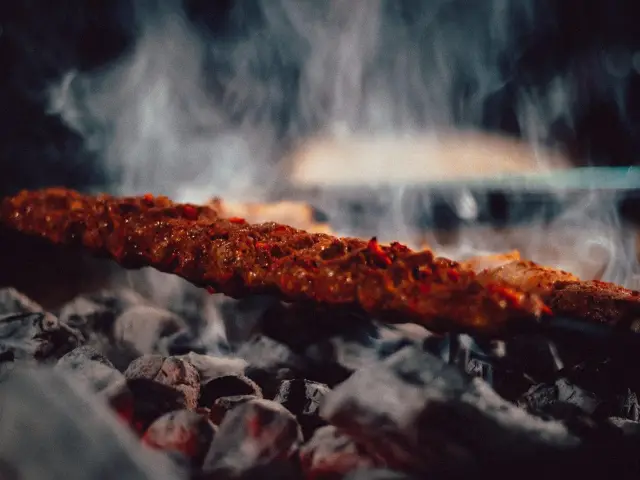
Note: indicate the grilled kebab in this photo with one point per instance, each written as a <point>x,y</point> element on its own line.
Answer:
<point>234,257</point>
<point>563,292</point>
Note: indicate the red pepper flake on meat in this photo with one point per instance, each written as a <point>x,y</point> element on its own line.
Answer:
<point>190,212</point>
<point>148,198</point>
<point>378,252</point>
<point>379,279</point>
<point>454,275</point>
<point>237,220</point>
<point>512,297</point>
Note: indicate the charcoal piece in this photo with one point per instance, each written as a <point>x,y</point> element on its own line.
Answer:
<point>183,343</point>
<point>37,336</point>
<point>512,384</point>
<point>210,367</point>
<point>52,428</point>
<point>146,366</point>
<point>256,433</point>
<point>76,357</point>
<point>182,431</point>
<point>572,416</point>
<point>571,393</point>
<point>415,411</point>
<point>144,329</point>
<point>333,361</point>
<point>376,474</point>
<point>121,400</point>
<point>627,406</point>
<point>538,397</point>
<point>88,317</point>
<point>269,380</point>
<point>302,398</point>
<point>614,381</point>
<point>12,301</point>
<point>224,404</point>
<point>359,347</point>
<point>172,371</point>
<point>270,362</point>
<point>467,355</point>
<point>227,386</point>
<point>182,376</point>
<point>480,368</point>
<point>268,354</point>
<point>623,406</point>
<point>628,427</point>
<point>151,400</point>
<point>332,454</point>
<point>95,374</point>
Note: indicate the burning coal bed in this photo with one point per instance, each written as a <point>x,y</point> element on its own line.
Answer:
<point>112,386</point>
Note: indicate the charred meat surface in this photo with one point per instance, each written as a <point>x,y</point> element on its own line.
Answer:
<point>231,256</point>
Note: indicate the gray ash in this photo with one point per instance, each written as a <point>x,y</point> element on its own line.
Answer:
<point>301,394</point>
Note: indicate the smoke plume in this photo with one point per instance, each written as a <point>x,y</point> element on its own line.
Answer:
<point>191,114</point>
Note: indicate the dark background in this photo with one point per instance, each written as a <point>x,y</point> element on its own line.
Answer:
<point>40,40</point>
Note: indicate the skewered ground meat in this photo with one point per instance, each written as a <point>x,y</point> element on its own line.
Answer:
<point>595,301</point>
<point>564,293</point>
<point>236,258</point>
<point>529,276</point>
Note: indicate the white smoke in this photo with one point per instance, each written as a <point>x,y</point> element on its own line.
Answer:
<point>151,119</point>
<point>192,116</point>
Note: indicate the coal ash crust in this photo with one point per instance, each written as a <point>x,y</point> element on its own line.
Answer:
<point>408,403</point>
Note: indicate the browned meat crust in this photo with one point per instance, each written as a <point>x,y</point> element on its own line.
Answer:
<point>236,258</point>
<point>529,276</point>
<point>566,294</point>
<point>595,301</point>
